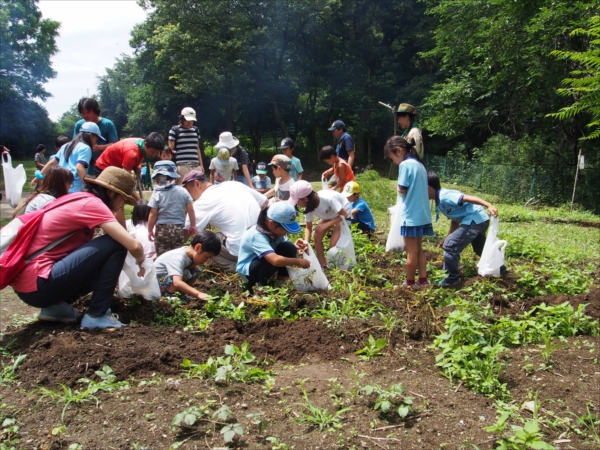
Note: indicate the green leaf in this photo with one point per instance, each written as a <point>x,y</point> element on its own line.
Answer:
<point>381,343</point>
<point>385,406</point>
<point>532,427</point>
<point>189,419</point>
<point>403,411</point>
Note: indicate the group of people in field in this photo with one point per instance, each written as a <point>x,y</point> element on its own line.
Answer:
<point>93,175</point>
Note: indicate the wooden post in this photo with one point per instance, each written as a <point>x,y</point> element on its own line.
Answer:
<point>576,176</point>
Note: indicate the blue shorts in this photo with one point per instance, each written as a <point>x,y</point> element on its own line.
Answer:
<point>418,231</point>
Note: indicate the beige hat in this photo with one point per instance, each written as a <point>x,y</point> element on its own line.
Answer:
<point>116,180</point>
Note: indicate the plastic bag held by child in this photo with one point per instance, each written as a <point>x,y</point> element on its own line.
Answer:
<point>324,183</point>
<point>342,256</point>
<point>14,179</point>
<point>395,241</point>
<point>492,257</point>
<point>130,284</point>
<point>310,279</point>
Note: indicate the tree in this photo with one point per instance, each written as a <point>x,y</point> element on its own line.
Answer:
<point>26,44</point>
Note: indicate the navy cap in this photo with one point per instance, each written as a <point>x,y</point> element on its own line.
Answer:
<point>337,125</point>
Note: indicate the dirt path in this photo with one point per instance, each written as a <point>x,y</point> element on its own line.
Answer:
<point>13,311</point>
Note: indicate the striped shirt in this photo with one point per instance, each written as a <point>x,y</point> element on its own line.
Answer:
<point>186,144</point>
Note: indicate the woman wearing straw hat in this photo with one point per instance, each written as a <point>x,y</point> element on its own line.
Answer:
<point>80,264</point>
<point>405,115</point>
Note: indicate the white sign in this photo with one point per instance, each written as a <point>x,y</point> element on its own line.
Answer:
<point>581,162</point>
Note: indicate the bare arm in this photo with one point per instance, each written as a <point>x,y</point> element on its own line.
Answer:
<point>151,222</point>
<point>479,201</point>
<point>281,261</point>
<point>189,208</point>
<point>350,158</point>
<point>182,286</point>
<point>81,171</point>
<point>325,225</point>
<point>247,175</point>
<point>327,173</point>
<point>308,231</point>
<point>51,163</point>
<point>300,176</point>
<point>172,145</point>
<point>212,175</point>
<point>341,182</point>
<point>234,175</point>
<point>200,158</point>
<point>98,147</point>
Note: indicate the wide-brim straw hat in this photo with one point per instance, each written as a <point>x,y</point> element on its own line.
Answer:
<point>116,180</point>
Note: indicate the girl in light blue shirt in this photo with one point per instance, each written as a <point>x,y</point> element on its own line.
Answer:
<point>416,213</point>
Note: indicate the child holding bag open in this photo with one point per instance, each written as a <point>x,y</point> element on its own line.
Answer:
<point>412,185</point>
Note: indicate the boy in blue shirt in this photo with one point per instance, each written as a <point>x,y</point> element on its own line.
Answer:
<point>469,224</point>
<point>287,148</point>
<point>361,213</point>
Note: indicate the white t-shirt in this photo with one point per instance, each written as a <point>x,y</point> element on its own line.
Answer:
<point>223,172</point>
<point>282,191</point>
<point>140,234</point>
<point>38,202</point>
<point>173,262</point>
<point>331,202</point>
<point>230,207</point>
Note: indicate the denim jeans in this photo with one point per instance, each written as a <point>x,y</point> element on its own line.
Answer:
<point>93,267</point>
<point>455,243</point>
<point>261,269</point>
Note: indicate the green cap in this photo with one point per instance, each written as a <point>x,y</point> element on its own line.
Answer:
<point>407,109</point>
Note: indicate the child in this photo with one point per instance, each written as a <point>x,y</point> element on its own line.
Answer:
<point>56,183</point>
<point>139,229</point>
<point>468,225</point>
<point>261,182</point>
<point>223,167</point>
<point>265,249</point>
<point>177,266</point>
<point>340,168</point>
<point>169,203</point>
<point>287,148</point>
<point>166,154</point>
<point>281,166</point>
<point>40,159</point>
<point>412,185</point>
<point>328,205</point>
<point>361,213</point>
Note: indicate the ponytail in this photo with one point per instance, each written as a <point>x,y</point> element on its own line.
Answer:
<point>393,143</point>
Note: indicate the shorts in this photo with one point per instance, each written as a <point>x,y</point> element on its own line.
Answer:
<point>184,168</point>
<point>417,231</point>
<point>166,281</point>
<point>168,237</point>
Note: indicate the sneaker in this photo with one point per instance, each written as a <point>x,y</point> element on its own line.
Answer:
<point>406,285</point>
<point>109,320</point>
<point>445,283</point>
<point>59,313</point>
<point>419,284</point>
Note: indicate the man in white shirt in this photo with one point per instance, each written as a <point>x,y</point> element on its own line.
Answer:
<point>230,207</point>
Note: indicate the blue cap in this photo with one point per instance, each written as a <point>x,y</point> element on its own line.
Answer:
<point>336,125</point>
<point>165,168</point>
<point>91,127</point>
<point>285,214</point>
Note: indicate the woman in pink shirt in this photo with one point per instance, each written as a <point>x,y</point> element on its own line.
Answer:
<point>80,264</point>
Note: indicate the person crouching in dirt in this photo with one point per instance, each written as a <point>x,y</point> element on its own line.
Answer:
<point>177,266</point>
<point>265,250</point>
<point>79,264</point>
<point>469,224</point>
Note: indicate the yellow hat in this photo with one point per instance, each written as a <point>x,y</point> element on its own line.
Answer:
<point>351,188</point>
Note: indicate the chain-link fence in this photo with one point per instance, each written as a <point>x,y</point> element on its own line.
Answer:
<point>549,184</point>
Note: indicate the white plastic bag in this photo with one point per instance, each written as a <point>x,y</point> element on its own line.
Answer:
<point>130,284</point>
<point>342,256</point>
<point>492,257</point>
<point>310,279</point>
<point>324,183</point>
<point>14,179</point>
<point>395,241</point>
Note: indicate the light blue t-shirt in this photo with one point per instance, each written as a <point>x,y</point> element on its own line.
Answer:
<point>413,177</point>
<point>81,153</point>
<point>171,204</point>
<point>364,213</point>
<point>296,168</point>
<point>254,245</point>
<point>107,130</point>
<point>450,203</point>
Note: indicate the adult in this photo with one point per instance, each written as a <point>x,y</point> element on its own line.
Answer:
<point>76,155</point>
<point>80,264</point>
<point>406,115</point>
<point>129,153</point>
<point>230,207</point>
<point>226,139</point>
<point>345,144</point>
<point>184,142</point>
<point>90,111</point>
<point>56,183</point>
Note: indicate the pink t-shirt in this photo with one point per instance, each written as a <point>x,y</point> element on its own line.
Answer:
<point>84,215</point>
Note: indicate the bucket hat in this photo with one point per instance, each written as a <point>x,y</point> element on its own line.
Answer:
<point>165,167</point>
<point>299,189</point>
<point>91,127</point>
<point>285,214</point>
<point>188,113</point>
<point>406,108</point>
<point>116,180</point>
<point>226,139</point>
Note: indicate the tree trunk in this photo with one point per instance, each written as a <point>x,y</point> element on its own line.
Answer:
<point>278,118</point>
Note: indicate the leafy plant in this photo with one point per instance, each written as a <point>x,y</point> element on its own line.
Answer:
<point>519,438</point>
<point>8,374</point>
<point>9,434</point>
<point>204,413</point>
<point>320,417</point>
<point>392,397</point>
<point>223,307</point>
<point>235,367</point>
<point>373,347</point>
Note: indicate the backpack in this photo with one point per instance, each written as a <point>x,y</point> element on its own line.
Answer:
<point>16,236</point>
<point>177,129</point>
